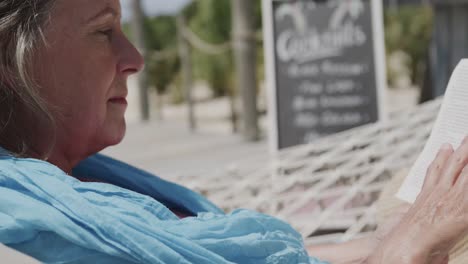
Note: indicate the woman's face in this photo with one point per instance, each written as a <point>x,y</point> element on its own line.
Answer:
<point>82,73</point>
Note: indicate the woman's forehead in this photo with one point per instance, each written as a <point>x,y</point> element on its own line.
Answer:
<point>86,10</point>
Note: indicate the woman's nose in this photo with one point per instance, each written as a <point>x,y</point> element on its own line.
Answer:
<point>130,61</point>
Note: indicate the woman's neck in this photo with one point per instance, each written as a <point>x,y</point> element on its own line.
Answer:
<point>56,157</point>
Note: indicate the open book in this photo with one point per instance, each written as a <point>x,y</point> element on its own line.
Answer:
<point>451,127</point>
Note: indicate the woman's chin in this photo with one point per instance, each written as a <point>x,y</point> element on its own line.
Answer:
<point>115,133</point>
<point>117,140</point>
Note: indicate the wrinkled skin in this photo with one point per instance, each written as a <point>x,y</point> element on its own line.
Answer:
<point>82,73</point>
<point>439,217</point>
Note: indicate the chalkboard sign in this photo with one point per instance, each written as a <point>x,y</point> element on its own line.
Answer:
<point>325,63</point>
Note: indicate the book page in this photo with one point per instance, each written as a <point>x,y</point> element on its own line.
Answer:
<point>451,127</point>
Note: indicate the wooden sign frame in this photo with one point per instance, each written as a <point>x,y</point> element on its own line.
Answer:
<point>270,65</point>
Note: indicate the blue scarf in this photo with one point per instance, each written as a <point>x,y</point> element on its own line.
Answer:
<point>55,218</point>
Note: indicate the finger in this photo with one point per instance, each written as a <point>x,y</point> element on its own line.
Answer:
<point>434,172</point>
<point>439,258</point>
<point>463,178</point>
<point>455,165</point>
<point>445,260</point>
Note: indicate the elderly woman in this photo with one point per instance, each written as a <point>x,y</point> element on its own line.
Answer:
<point>63,71</point>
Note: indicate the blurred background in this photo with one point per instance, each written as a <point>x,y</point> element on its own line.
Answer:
<point>189,111</point>
<point>198,112</point>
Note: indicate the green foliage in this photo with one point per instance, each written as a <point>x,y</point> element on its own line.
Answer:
<point>161,37</point>
<point>161,32</point>
<point>409,29</point>
<point>211,21</point>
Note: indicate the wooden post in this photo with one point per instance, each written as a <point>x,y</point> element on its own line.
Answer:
<point>159,105</point>
<point>450,40</point>
<point>233,109</point>
<point>139,39</point>
<point>187,77</point>
<point>245,61</point>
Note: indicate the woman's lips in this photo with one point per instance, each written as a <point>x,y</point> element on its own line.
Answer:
<point>118,100</point>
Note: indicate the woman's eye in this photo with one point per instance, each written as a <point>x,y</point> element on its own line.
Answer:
<point>108,33</point>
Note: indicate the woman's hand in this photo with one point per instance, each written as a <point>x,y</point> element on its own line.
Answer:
<point>389,224</point>
<point>439,217</point>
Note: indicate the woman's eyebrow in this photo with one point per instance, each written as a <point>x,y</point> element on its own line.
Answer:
<point>105,12</point>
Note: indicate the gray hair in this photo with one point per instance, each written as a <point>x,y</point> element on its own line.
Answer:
<point>21,27</point>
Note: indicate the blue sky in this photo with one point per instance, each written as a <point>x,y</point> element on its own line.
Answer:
<point>155,7</point>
